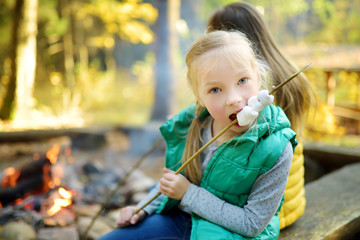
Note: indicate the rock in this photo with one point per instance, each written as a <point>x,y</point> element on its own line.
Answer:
<point>17,230</point>
<point>87,210</point>
<point>139,182</point>
<point>99,228</point>
<point>58,233</point>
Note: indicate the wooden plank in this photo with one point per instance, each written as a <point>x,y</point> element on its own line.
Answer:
<point>331,157</point>
<point>332,209</point>
<point>347,112</point>
<point>40,134</point>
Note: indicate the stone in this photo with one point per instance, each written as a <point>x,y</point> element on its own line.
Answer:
<point>99,228</point>
<point>58,233</point>
<point>17,230</point>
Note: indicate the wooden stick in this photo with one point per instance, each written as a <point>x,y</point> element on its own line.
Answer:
<point>120,183</point>
<point>289,79</point>
<point>216,137</point>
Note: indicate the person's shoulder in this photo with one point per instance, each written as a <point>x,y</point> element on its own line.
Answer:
<point>277,116</point>
<point>180,121</point>
<point>186,114</point>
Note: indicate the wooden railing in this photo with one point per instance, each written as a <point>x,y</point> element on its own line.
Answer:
<point>349,113</point>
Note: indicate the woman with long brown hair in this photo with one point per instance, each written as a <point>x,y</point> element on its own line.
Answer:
<point>294,98</point>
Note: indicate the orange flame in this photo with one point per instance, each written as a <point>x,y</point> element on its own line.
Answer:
<point>60,202</point>
<point>65,193</point>
<point>11,176</point>
<point>53,153</point>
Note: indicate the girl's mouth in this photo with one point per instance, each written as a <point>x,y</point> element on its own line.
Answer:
<point>232,117</point>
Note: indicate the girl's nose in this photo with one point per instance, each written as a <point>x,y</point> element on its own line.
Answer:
<point>234,99</point>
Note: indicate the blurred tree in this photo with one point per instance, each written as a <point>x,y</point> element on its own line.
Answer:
<point>105,19</point>
<point>70,33</point>
<point>19,95</point>
<point>277,13</point>
<point>65,11</point>
<point>166,44</point>
<point>336,22</point>
<point>313,21</point>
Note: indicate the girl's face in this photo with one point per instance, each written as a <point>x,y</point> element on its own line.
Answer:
<point>225,89</point>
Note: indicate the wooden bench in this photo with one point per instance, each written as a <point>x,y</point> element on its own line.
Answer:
<point>332,208</point>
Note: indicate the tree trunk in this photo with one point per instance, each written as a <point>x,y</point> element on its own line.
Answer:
<point>9,99</point>
<point>65,12</point>
<point>81,47</point>
<point>26,60</point>
<point>18,98</point>
<point>166,45</point>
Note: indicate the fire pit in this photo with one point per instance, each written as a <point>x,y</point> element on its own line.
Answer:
<point>54,194</point>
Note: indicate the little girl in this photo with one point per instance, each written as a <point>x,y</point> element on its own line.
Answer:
<point>234,189</point>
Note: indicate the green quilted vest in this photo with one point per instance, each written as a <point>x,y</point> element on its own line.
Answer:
<point>235,166</point>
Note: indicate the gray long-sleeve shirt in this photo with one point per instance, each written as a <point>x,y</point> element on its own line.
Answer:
<point>249,220</point>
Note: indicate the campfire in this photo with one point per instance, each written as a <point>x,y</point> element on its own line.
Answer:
<point>53,193</point>
<point>63,199</point>
<point>31,179</point>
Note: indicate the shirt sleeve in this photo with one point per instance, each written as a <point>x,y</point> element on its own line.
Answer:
<point>263,201</point>
<point>153,206</point>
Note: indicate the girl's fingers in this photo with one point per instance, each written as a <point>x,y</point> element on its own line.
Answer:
<point>126,215</point>
<point>167,181</point>
<point>169,175</point>
<point>134,219</point>
<point>168,171</point>
<point>138,217</point>
<point>168,191</point>
<point>164,189</point>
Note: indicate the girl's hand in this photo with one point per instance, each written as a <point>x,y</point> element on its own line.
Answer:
<point>127,218</point>
<point>173,185</point>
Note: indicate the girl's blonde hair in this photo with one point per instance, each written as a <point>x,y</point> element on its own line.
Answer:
<point>237,49</point>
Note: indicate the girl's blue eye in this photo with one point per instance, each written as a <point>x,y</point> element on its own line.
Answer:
<point>215,90</point>
<point>243,80</point>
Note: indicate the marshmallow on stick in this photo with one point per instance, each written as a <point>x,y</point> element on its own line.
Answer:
<point>255,104</point>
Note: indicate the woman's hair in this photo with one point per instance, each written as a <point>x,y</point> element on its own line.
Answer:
<point>232,45</point>
<point>295,97</point>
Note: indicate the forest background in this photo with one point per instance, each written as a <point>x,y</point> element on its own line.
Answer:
<point>66,64</point>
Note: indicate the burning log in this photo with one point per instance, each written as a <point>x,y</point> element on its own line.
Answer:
<point>33,178</point>
<point>10,194</point>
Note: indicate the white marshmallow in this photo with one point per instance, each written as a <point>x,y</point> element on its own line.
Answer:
<point>246,116</point>
<point>265,98</point>
<point>255,104</point>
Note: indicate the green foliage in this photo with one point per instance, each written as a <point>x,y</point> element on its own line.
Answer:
<point>209,6</point>
<point>119,98</point>
<point>48,16</point>
<point>128,19</point>
<point>5,20</point>
<point>325,21</point>
<point>101,97</point>
<point>347,89</point>
<point>337,22</point>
